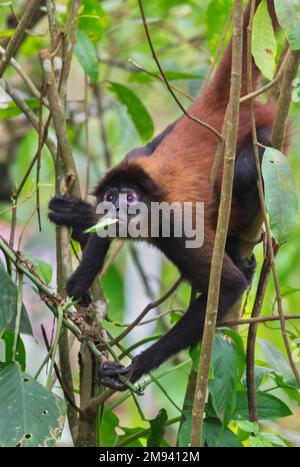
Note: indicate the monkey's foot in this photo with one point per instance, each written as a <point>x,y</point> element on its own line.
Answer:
<point>110,372</point>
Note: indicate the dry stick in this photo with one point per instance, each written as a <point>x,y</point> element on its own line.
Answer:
<point>268,86</point>
<point>59,121</point>
<point>146,310</point>
<point>87,136</point>
<point>64,166</point>
<point>18,35</point>
<point>251,338</point>
<point>110,260</point>
<point>38,158</point>
<point>29,114</point>
<point>284,101</point>
<point>24,77</point>
<point>191,117</point>
<point>222,227</point>
<point>259,320</point>
<point>52,19</point>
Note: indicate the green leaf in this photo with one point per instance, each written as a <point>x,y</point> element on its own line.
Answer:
<point>8,305</point>
<point>157,429</point>
<point>86,53</point>
<point>108,434</point>
<point>288,14</point>
<point>266,440</point>
<point>6,33</point>
<point>264,45</point>
<point>195,353</point>
<point>248,427</point>
<point>30,415</point>
<point>8,338</point>
<point>268,407</point>
<point>184,435</point>
<point>276,359</point>
<point>259,374</point>
<point>43,269</point>
<point>217,16</point>
<point>260,441</point>
<point>10,109</point>
<point>286,291</point>
<point>239,346</point>
<point>280,194</point>
<point>225,376</point>
<point>214,435</point>
<point>136,109</point>
<point>92,19</point>
<point>101,225</point>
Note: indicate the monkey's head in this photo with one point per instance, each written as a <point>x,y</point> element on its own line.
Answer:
<point>129,190</point>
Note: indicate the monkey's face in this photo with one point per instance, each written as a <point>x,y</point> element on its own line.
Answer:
<point>116,195</point>
<point>129,204</point>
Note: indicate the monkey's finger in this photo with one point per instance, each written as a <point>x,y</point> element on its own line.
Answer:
<point>113,383</point>
<point>112,369</point>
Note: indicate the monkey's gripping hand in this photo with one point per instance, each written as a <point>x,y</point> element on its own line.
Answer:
<point>113,375</point>
<point>75,213</point>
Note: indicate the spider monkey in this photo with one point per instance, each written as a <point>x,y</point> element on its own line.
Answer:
<point>176,166</point>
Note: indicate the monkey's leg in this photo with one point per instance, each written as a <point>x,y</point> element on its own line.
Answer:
<point>245,175</point>
<point>91,264</point>
<point>186,332</point>
<point>74,213</point>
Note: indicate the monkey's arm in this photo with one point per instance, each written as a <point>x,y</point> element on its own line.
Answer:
<point>80,215</point>
<point>91,264</point>
<point>188,330</point>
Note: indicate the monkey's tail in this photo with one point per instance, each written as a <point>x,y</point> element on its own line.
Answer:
<point>221,83</point>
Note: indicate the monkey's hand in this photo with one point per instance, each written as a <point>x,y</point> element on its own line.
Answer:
<point>72,212</point>
<point>110,372</point>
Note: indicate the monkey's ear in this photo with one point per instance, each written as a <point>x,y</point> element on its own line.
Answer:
<point>150,147</point>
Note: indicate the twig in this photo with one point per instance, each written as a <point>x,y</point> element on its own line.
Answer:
<point>111,259</point>
<point>59,121</point>
<point>267,87</point>
<point>87,135</point>
<point>284,101</point>
<point>60,312</point>
<point>29,114</point>
<point>259,320</point>
<point>191,117</point>
<point>20,31</point>
<point>18,315</point>
<point>25,78</point>
<point>146,310</point>
<point>69,397</point>
<point>251,338</point>
<point>222,227</point>
<point>155,75</point>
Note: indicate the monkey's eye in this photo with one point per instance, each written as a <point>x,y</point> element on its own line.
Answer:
<point>111,195</point>
<point>132,197</point>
